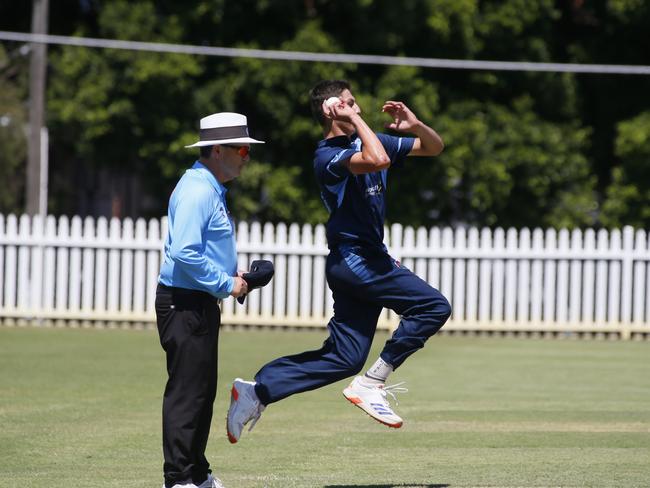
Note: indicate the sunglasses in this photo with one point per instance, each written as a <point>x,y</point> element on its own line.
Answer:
<point>242,150</point>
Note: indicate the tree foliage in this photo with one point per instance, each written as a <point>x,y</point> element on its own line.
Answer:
<point>522,148</point>
<point>13,140</point>
<point>629,194</point>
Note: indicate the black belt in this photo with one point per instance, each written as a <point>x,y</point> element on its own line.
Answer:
<point>200,295</point>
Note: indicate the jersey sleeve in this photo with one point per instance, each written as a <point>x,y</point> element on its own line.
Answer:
<point>330,164</point>
<point>397,147</point>
<point>192,211</point>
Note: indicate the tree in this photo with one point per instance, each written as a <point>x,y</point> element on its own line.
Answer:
<point>125,111</point>
<point>13,141</point>
<point>534,149</point>
<point>502,166</point>
<point>628,196</point>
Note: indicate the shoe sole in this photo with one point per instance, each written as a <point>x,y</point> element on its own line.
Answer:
<point>234,396</point>
<point>357,402</point>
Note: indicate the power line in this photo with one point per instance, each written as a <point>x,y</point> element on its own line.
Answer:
<point>327,57</point>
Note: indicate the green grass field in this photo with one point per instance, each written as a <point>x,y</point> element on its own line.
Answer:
<point>81,408</point>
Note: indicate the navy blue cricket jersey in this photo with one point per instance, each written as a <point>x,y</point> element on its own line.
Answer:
<point>356,203</point>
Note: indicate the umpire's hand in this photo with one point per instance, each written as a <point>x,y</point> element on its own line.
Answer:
<point>240,288</point>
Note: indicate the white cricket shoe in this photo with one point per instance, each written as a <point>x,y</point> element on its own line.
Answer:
<point>372,400</point>
<point>212,482</point>
<point>244,407</point>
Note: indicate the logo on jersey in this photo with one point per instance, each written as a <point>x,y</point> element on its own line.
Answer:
<point>374,190</point>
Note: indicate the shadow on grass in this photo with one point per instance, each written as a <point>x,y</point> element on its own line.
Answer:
<point>388,486</point>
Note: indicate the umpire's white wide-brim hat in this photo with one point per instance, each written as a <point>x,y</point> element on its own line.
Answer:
<point>224,128</point>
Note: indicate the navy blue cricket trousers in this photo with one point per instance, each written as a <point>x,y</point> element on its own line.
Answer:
<point>363,281</point>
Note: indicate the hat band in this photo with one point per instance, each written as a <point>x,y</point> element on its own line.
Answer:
<point>218,133</point>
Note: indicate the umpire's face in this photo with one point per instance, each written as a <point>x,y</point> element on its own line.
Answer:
<point>232,159</point>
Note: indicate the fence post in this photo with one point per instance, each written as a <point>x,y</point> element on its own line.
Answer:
<point>2,260</point>
<point>293,275</point>
<point>24,234</point>
<point>548,312</point>
<point>36,265</point>
<point>62,265</point>
<point>471,298</point>
<point>523,279</point>
<point>266,293</point>
<point>101,276</point>
<point>647,288</point>
<point>10,271</point>
<point>114,265</point>
<point>280,279</point>
<point>575,277</point>
<point>88,266</point>
<point>588,278</point>
<point>457,298</point>
<point>393,239</point>
<point>628,260</point>
<point>421,244</point>
<point>433,276</point>
<point>536,283</point>
<point>498,276</point>
<point>563,278</point>
<point>126,278</point>
<point>614,289</point>
<point>255,240</point>
<point>485,276</point>
<point>512,247</point>
<point>408,248</point>
<point>639,279</point>
<point>50,264</point>
<point>235,308</point>
<point>306,273</point>
<point>602,246</point>
<point>139,268</point>
<point>447,270</point>
<point>320,288</point>
<point>153,265</point>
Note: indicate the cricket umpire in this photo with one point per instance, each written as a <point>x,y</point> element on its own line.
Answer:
<point>199,269</point>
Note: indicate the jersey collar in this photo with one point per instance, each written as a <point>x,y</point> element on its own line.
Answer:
<point>207,174</point>
<point>338,141</point>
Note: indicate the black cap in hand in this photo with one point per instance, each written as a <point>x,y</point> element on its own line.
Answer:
<point>260,275</point>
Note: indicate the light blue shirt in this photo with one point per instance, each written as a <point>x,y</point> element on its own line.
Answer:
<point>200,251</point>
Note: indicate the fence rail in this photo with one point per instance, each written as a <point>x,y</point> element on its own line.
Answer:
<point>508,280</point>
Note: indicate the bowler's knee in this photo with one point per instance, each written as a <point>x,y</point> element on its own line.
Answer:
<point>437,307</point>
<point>345,360</point>
<point>353,366</point>
<point>443,308</point>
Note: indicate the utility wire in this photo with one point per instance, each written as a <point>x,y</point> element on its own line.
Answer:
<point>231,52</point>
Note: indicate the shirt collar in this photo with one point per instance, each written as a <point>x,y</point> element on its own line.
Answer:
<point>201,168</point>
<point>338,141</point>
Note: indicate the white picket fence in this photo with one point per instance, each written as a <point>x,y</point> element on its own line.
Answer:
<point>106,272</point>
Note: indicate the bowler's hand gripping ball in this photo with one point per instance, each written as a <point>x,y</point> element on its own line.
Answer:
<point>332,101</point>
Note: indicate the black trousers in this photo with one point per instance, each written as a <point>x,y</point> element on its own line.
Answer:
<point>188,326</point>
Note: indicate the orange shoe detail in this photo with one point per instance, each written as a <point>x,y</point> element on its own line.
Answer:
<point>354,400</point>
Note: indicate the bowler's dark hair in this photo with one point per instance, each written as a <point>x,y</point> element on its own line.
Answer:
<point>321,92</point>
<point>205,151</point>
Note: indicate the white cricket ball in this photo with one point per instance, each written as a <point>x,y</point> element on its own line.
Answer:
<point>332,101</point>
